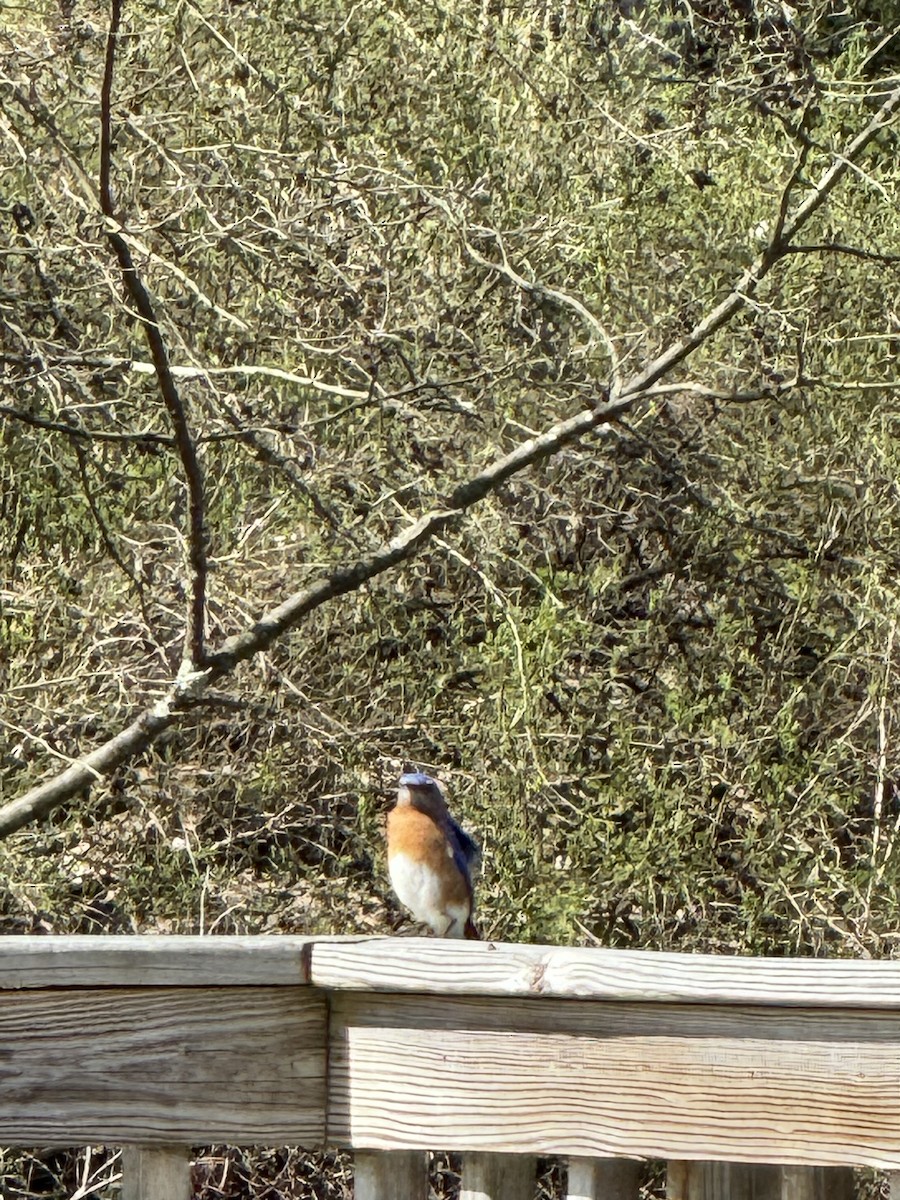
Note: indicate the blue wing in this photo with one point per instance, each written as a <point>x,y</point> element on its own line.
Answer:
<point>466,853</point>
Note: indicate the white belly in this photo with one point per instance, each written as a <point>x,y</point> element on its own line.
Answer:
<point>419,889</point>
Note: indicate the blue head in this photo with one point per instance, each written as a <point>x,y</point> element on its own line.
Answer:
<point>417,779</point>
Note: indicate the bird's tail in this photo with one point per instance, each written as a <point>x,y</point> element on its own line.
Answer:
<point>471,932</point>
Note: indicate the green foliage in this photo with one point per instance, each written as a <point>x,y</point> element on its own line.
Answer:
<point>656,672</point>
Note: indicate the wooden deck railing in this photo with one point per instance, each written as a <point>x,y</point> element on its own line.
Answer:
<point>748,1075</point>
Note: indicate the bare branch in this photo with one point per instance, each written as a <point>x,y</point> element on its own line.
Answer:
<point>243,371</point>
<point>839,248</point>
<point>123,747</point>
<point>753,276</point>
<point>541,289</point>
<point>198,538</point>
<point>776,243</point>
<point>771,392</point>
<point>191,285</point>
<point>348,578</point>
<point>78,433</point>
<point>191,686</point>
<point>533,287</point>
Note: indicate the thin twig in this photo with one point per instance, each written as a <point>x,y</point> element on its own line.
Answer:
<point>198,538</point>
<point>776,245</point>
<point>78,433</point>
<point>758,270</point>
<point>185,691</point>
<point>840,248</point>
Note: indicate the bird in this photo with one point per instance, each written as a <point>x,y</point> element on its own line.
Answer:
<point>431,858</point>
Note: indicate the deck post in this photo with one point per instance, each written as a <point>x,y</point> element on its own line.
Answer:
<point>817,1183</point>
<point>751,1181</point>
<point>156,1173</point>
<point>603,1179</point>
<point>498,1177</point>
<point>390,1175</point>
<point>723,1181</point>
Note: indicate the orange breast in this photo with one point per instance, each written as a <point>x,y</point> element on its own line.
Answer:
<point>417,836</point>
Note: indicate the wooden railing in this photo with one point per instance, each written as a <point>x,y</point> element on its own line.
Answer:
<point>748,1075</point>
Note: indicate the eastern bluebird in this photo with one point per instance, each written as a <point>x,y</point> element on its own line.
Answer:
<point>430,858</point>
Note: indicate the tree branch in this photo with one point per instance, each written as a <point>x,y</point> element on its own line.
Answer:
<point>840,248</point>
<point>198,538</point>
<point>348,578</point>
<point>758,270</point>
<point>78,433</point>
<point>192,685</point>
<point>122,748</point>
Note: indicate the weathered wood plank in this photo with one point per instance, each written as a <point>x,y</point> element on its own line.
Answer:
<point>398,1175</point>
<point>496,969</point>
<point>817,1183</point>
<point>438,965</point>
<point>603,1179</point>
<point>498,1177</point>
<point>724,1181</point>
<point>152,961</point>
<point>161,1066</point>
<point>622,1080</point>
<point>163,1173</point>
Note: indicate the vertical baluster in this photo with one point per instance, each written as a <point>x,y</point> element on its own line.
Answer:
<point>816,1183</point>
<point>498,1177</point>
<point>390,1175</point>
<point>156,1173</point>
<point>603,1179</point>
<point>723,1181</point>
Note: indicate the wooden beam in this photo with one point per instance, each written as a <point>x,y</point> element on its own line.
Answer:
<point>400,1175</point>
<point>603,1179</point>
<point>163,1173</point>
<point>152,961</point>
<point>795,1086</point>
<point>156,1066</point>
<point>434,965</point>
<point>498,1177</point>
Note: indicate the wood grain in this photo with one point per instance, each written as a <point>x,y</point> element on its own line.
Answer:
<point>817,1183</point>
<point>156,1174</point>
<point>739,1084</point>
<point>156,1066</point>
<point>715,1180</point>
<point>399,1175</point>
<point>434,965</point>
<point>151,961</point>
<point>498,1177</point>
<point>496,969</point>
<point>605,1179</point>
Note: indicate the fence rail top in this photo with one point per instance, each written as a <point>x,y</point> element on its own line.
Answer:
<point>436,966</point>
<point>148,960</point>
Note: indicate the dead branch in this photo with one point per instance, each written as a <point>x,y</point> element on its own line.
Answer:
<point>94,766</point>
